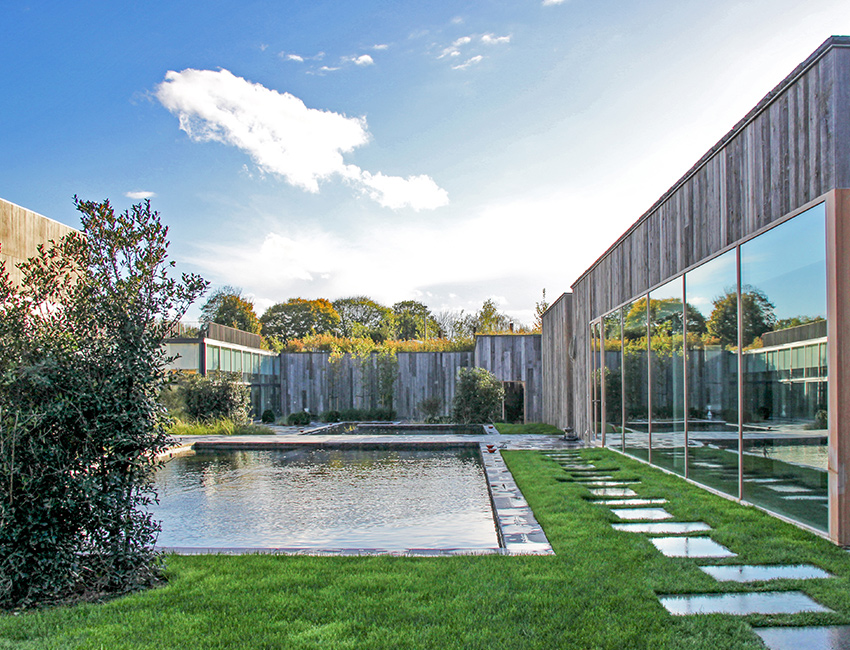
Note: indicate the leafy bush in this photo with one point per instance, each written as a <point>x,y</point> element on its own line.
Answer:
<point>219,395</point>
<point>478,396</point>
<point>81,364</point>
<point>430,408</point>
<point>331,416</point>
<point>268,417</point>
<point>299,418</point>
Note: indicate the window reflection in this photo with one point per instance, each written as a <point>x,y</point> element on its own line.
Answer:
<point>635,379</point>
<point>783,276</point>
<point>712,317</point>
<point>613,380</point>
<point>595,381</point>
<point>666,322</point>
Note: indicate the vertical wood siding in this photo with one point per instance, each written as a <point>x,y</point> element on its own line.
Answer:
<point>514,357</point>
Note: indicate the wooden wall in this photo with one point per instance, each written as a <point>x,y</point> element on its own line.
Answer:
<point>792,148</point>
<point>21,231</point>
<point>311,380</point>
<point>514,357</point>
<point>556,363</point>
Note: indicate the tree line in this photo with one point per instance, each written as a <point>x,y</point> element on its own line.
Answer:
<point>356,317</point>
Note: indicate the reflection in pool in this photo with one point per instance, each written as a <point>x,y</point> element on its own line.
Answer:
<point>326,499</point>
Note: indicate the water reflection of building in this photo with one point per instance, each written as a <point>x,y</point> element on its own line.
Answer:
<point>708,339</point>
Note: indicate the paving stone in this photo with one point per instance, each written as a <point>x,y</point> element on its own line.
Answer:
<point>613,492</point>
<point>741,604</point>
<point>663,528</point>
<point>756,573</point>
<point>690,547</point>
<point>630,502</point>
<point>611,483</point>
<point>787,488</point>
<point>654,514</point>
<point>828,637</point>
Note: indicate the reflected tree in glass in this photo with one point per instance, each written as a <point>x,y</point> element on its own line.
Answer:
<point>783,296</point>
<point>635,379</point>
<point>613,379</point>
<point>666,321</point>
<point>711,302</point>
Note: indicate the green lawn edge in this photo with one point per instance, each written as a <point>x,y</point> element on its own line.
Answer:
<point>599,591</point>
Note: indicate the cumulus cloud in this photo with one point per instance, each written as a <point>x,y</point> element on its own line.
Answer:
<point>549,3</point>
<point>492,39</point>
<point>283,136</point>
<point>295,57</point>
<point>363,59</point>
<point>469,62</point>
<point>139,195</point>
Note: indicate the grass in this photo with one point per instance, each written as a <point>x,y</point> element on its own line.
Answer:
<point>221,427</point>
<point>600,591</point>
<point>530,428</point>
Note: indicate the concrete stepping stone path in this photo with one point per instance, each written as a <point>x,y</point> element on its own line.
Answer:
<point>613,492</point>
<point>758,573</point>
<point>829,637</point>
<point>741,604</point>
<point>654,514</point>
<point>663,528</point>
<point>630,502</point>
<point>690,547</point>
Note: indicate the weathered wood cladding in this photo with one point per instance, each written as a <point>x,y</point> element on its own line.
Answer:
<point>21,231</point>
<point>789,150</point>
<point>514,357</point>
<point>313,380</point>
<point>556,363</point>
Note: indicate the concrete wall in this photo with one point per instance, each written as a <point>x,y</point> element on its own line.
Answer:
<point>21,231</point>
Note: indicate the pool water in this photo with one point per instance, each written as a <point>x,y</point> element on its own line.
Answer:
<point>326,499</point>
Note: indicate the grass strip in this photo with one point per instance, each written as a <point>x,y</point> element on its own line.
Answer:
<point>222,427</point>
<point>540,428</point>
<point>599,591</point>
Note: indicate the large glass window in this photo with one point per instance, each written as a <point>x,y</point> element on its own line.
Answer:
<point>611,328</point>
<point>711,296</point>
<point>666,322</point>
<point>595,381</point>
<point>635,383</point>
<point>783,308</point>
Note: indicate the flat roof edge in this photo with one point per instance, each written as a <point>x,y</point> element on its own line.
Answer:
<point>802,68</point>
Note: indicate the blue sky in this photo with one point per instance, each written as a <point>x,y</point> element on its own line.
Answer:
<point>446,152</point>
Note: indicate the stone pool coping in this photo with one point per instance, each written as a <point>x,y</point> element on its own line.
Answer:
<point>518,531</point>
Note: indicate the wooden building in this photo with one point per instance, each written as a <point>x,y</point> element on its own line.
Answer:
<point>666,348</point>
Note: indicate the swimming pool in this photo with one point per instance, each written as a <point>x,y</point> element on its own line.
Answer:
<point>323,499</point>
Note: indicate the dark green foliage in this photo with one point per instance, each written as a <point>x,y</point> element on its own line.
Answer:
<point>299,418</point>
<point>268,417</point>
<point>331,416</point>
<point>430,408</point>
<point>220,395</point>
<point>478,396</point>
<point>297,318</point>
<point>81,366</point>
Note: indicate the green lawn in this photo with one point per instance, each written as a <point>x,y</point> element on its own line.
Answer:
<point>532,427</point>
<point>222,427</point>
<point>599,591</point>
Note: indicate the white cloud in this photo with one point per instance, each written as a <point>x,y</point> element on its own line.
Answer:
<point>492,39</point>
<point>295,57</point>
<point>285,137</point>
<point>363,59</point>
<point>140,195</point>
<point>549,3</point>
<point>327,68</point>
<point>468,62</point>
<point>380,46</point>
<point>454,48</point>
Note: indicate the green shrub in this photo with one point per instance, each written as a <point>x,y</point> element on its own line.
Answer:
<point>219,395</point>
<point>299,418</point>
<point>81,365</point>
<point>268,417</point>
<point>430,408</point>
<point>478,396</point>
<point>331,416</point>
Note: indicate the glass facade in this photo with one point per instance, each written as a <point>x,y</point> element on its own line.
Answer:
<point>720,374</point>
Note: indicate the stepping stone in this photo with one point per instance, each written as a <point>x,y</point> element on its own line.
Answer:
<point>654,514</point>
<point>756,573</point>
<point>610,483</point>
<point>690,547</point>
<point>788,488</point>
<point>807,497</point>
<point>664,528</point>
<point>767,602</point>
<point>613,492</point>
<point>630,502</point>
<point>762,480</point>
<point>586,478</point>
<point>828,637</point>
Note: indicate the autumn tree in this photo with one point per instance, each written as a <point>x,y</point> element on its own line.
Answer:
<point>297,318</point>
<point>413,320</point>
<point>227,306</point>
<point>362,317</point>
<point>756,311</point>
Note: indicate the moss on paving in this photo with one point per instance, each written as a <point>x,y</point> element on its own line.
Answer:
<point>599,591</point>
